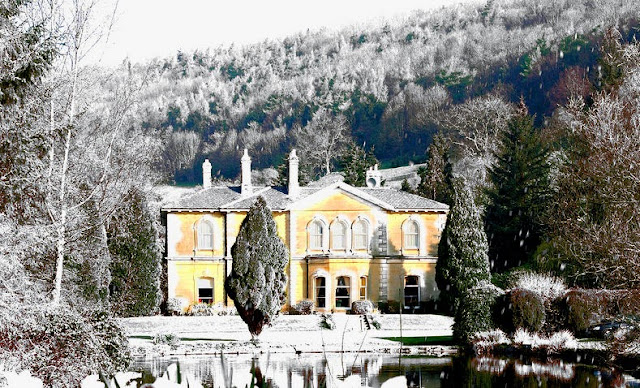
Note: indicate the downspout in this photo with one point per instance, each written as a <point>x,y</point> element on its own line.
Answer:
<point>306,280</point>
<point>224,276</point>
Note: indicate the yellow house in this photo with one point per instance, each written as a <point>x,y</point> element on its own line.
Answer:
<point>345,243</point>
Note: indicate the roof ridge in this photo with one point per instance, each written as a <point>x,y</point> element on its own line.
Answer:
<point>241,198</point>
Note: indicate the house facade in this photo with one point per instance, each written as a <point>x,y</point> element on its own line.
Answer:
<point>345,243</point>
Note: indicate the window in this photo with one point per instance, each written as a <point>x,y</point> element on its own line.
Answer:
<point>360,233</point>
<point>411,235</point>
<point>205,235</point>
<point>363,287</point>
<point>205,290</point>
<point>339,234</point>
<point>343,290</point>
<point>411,291</point>
<point>321,292</point>
<point>316,230</point>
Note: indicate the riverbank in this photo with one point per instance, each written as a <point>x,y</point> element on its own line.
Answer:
<point>421,335</point>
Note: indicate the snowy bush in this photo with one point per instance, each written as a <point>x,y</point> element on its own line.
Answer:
<point>202,309</point>
<point>474,312</point>
<point>554,343</point>
<point>546,286</point>
<point>361,307</point>
<point>304,307</point>
<point>522,337</point>
<point>522,308</point>
<point>60,346</point>
<point>485,341</point>
<point>170,339</point>
<point>562,340</point>
<point>174,306</point>
<point>326,322</point>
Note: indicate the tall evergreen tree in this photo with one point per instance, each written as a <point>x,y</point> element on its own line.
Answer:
<point>517,197</point>
<point>257,280</point>
<point>355,163</point>
<point>435,179</point>
<point>135,267</point>
<point>462,254</point>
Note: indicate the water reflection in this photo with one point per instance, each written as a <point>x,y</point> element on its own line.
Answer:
<point>349,370</point>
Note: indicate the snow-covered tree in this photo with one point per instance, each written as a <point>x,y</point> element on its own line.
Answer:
<point>258,279</point>
<point>463,261</point>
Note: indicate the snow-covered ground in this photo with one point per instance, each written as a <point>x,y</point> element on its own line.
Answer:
<point>289,333</point>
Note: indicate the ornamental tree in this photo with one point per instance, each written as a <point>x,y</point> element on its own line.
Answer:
<point>257,280</point>
<point>463,261</point>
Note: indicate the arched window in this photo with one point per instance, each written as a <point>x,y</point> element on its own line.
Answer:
<point>411,291</point>
<point>411,235</point>
<point>343,292</point>
<point>205,235</point>
<point>316,235</point>
<point>321,292</point>
<point>205,290</point>
<point>338,235</point>
<point>363,287</point>
<point>360,234</point>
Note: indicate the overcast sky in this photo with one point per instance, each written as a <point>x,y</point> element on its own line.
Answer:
<point>145,29</point>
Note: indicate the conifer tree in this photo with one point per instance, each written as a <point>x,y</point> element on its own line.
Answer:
<point>355,162</point>
<point>435,179</point>
<point>517,197</point>
<point>257,280</point>
<point>135,267</point>
<point>462,254</point>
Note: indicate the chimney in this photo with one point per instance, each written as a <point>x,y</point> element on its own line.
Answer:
<point>206,174</point>
<point>294,186</point>
<point>374,177</point>
<point>246,188</point>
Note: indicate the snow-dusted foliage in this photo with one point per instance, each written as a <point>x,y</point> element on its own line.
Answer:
<point>462,254</point>
<point>483,342</point>
<point>554,343</point>
<point>257,280</point>
<point>547,286</point>
<point>473,313</point>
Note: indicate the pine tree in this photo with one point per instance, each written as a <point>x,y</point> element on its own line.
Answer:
<point>355,163</point>
<point>462,254</point>
<point>517,197</point>
<point>135,266</point>
<point>435,179</point>
<point>257,280</point>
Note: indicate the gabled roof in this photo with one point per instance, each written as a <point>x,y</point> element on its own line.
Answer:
<point>228,198</point>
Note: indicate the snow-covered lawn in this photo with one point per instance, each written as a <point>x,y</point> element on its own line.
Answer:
<point>289,332</point>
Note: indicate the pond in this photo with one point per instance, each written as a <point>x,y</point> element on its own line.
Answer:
<point>368,370</point>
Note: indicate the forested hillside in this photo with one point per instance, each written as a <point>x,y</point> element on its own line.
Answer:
<point>385,87</point>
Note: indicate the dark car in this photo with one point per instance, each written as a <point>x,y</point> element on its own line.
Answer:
<point>606,329</point>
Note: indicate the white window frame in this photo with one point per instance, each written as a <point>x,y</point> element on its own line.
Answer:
<point>362,287</point>
<point>414,243</point>
<point>205,240</point>
<point>346,287</point>
<point>416,286</point>
<point>364,234</point>
<point>345,231</point>
<point>313,237</point>
<point>316,298</point>
<point>201,282</point>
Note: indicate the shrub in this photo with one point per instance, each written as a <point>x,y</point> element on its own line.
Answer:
<point>361,307</point>
<point>527,310</point>
<point>584,308</point>
<point>326,322</point>
<point>174,306</point>
<point>61,347</point>
<point>170,339</point>
<point>474,311</point>
<point>389,307</point>
<point>202,309</point>
<point>546,286</point>
<point>304,307</point>
<point>485,341</point>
